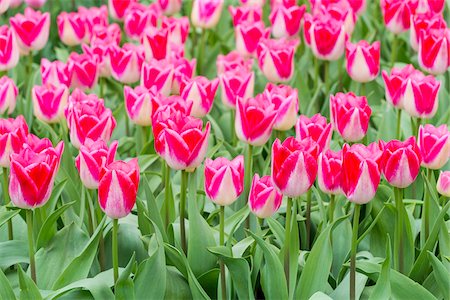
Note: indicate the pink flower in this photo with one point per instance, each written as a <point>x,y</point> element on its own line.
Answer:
<point>94,16</point>
<point>434,45</point>
<point>360,172</point>
<point>137,18</point>
<point>285,101</point>
<point>206,13</point>
<point>241,14</point>
<point>49,102</point>
<point>276,59</point>
<point>183,70</point>
<point>168,106</point>
<point>231,61</point>
<point>397,14</point>
<point>117,8</point>
<point>358,6</point>
<point>254,120</point>
<point>421,95</point>
<point>15,3</point>
<point>264,199</point>
<point>71,28</point>
<point>178,29</point>
<point>427,22</point>
<point>224,179</point>
<point>363,60</point>
<point>126,63</point>
<point>9,50</point>
<point>434,144</point>
<point>83,69</point>
<point>138,104</point>
<point>329,172</point>
<point>201,91</point>
<point>350,115</point>
<point>106,35</point>
<point>31,30</point>
<point>100,53</point>
<point>443,184</point>
<point>35,3</point>
<point>4,5</point>
<point>294,165</point>
<point>286,21</point>
<point>8,95</point>
<point>158,74</point>
<point>432,6</point>
<point>13,133</point>
<point>259,3</point>
<point>395,84</point>
<point>92,158</point>
<point>234,84</point>
<point>155,41</point>
<point>248,34</point>
<point>55,72</point>
<point>316,128</point>
<point>160,120</point>
<point>117,190</point>
<point>170,7</point>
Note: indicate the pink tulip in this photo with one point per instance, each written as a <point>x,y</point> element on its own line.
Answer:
<point>426,22</point>
<point>94,16</point>
<point>92,158</point>
<point>158,74</point>
<point>15,3</point>
<point>183,70</point>
<point>33,174</point>
<point>248,35</point>
<point>71,28</point>
<point>316,128</point>
<point>264,199</point>
<point>329,172</point>
<point>358,6</point>
<point>126,63</point>
<point>276,59</point>
<point>421,96</point>
<point>206,13</point>
<point>443,184</point>
<point>137,18</point>
<point>286,21</point>
<point>117,190</point>
<point>350,115</point>
<point>234,84</point>
<point>178,29</point>
<point>31,30</point>
<point>259,3</point>
<point>395,84</point>
<point>35,3</point>
<point>432,6</point>
<point>106,35</point>
<point>117,8</point>
<point>8,95</point>
<point>434,144</point>
<point>360,172</point>
<point>49,102</point>
<point>224,179</point>
<point>231,61</point>
<point>242,14</point>
<point>340,11</point>
<point>434,46</point>
<point>363,60</point>
<point>55,73</point>
<point>397,14</point>
<point>13,133</point>
<point>254,120</point>
<point>160,120</point>
<point>285,101</point>
<point>201,91</point>
<point>170,7</point>
<point>100,53</point>
<point>9,50</point>
<point>155,43</point>
<point>138,104</point>
<point>4,5</point>
<point>83,69</point>
<point>294,165</point>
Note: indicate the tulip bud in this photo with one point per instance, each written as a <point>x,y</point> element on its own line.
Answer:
<point>443,184</point>
<point>431,6</point>
<point>55,73</point>
<point>421,96</point>
<point>126,63</point>
<point>9,50</point>
<point>276,59</point>
<point>158,74</point>
<point>316,128</point>
<point>13,133</point>
<point>358,6</point>
<point>35,3</point>
<point>329,172</point>
<point>31,30</point>
<point>106,35</point>
<point>363,60</point>
<point>397,14</point>
<point>94,16</point>
<point>433,50</point>
<point>234,84</point>
<point>49,102</point>
<point>286,21</point>
<point>83,70</point>
<point>117,8</point>
<point>137,18</point>
<point>183,70</point>
<point>206,13</point>
<point>8,95</point>
<point>100,54</point>
<point>231,61</point>
<point>155,43</point>
<point>424,22</point>
<point>285,101</point>
<point>248,35</point>
<point>201,92</point>
<point>264,199</point>
<point>71,28</point>
<point>434,144</point>
<point>178,29</point>
<point>170,7</point>
<point>242,14</point>
<point>138,105</point>
<point>395,84</point>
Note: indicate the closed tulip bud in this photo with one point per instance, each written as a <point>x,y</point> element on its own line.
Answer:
<point>426,22</point>
<point>49,102</point>
<point>363,60</point>
<point>395,84</point>
<point>276,59</point>
<point>13,133</point>
<point>360,172</point>
<point>138,105</point>
<point>117,8</point>
<point>254,120</point>
<point>316,128</point>
<point>137,18</point>
<point>259,3</point>
<point>433,50</point>
<point>421,96</point>
<point>350,115</point>
<point>397,14</point>
<point>8,95</point>
<point>241,14</point>
<point>183,70</point>
<point>71,28</point>
<point>94,16</point>
<point>31,30</point>
<point>264,199</point>
<point>248,34</point>
<point>294,165</point>
<point>35,3</point>
<point>443,184</point>
<point>100,53</point>
<point>201,92</point>
<point>55,73</point>
<point>234,84</point>
<point>434,144</point>
<point>9,50</point>
<point>158,74</point>
<point>161,121</point>
<point>286,21</point>
<point>206,13</point>
<point>431,6</point>
<point>156,43</point>
<point>92,158</point>
<point>329,172</point>
<point>224,179</point>
<point>170,7</point>
<point>15,3</point>
<point>126,63</point>
<point>358,6</point>
<point>231,61</point>
<point>178,29</point>
<point>84,71</point>
<point>285,101</point>
<point>169,105</point>
<point>106,35</point>
<point>4,5</point>
<point>117,190</point>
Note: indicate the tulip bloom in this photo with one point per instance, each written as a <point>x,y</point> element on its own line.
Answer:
<point>92,158</point>
<point>35,3</point>
<point>285,101</point>
<point>360,172</point>
<point>155,41</point>
<point>13,133</point>
<point>338,10</point>
<point>316,128</point>
<point>201,92</point>
<point>118,186</point>
<point>395,84</point>
<point>363,60</point>
<point>55,72</point>
<point>294,165</point>
<point>178,29</point>
<point>126,63</point>
<point>248,35</point>
<point>242,14</point>
<point>138,104</point>
<point>397,14</point>
<point>358,6</point>
<point>8,95</point>
<point>443,184</point>
<point>137,18</point>
<point>264,199</point>
<point>94,16</point>
<point>286,21</point>
<point>426,22</point>
<point>206,13</point>
<point>71,28</point>
<point>434,144</point>
<point>33,172</point>
<point>231,61</point>
<point>170,7</point>
<point>49,102</point>
<point>9,50</point>
<point>276,59</point>
<point>158,74</point>
<point>234,84</point>
<point>31,30</point>
<point>421,96</point>
<point>83,70</point>
<point>183,70</point>
<point>100,54</point>
<point>350,115</point>
<point>433,50</point>
<point>117,8</point>
<point>329,172</point>
<point>224,179</point>
<point>431,6</point>
<point>106,35</point>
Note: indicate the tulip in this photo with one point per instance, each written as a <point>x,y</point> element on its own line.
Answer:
<point>316,128</point>
<point>170,7</point>
<point>431,6</point>
<point>31,30</point>
<point>234,84</point>
<point>178,29</point>
<point>15,3</point>
<point>426,22</point>
<point>397,14</point>
<point>329,172</point>
<point>201,92</point>
<point>168,106</point>
<point>421,96</point>
<point>71,28</point>
<point>231,61</point>
<point>92,158</point>
<point>264,199</point>
<point>83,69</point>
<point>259,3</point>
<point>350,115</point>
<point>8,95</point>
<point>285,101</point>
<point>13,133</point>
<point>126,63</point>
<point>100,53</point>
<point>245,14</point>
<point>254,120</point>
<point>434,48</point>
<point>338,10</point>
<point>106,35</point>
<point>183,70</point>
<point>434,144</point>
<point>294,165</point>
<point>137,18</point>
<point>276,59</point>
<point>35,3</point>
<point>4,5</point>
<point>94,16</point>
<point>138,105</point>
<point>49,102</point>
<point>358,6</point>
<point>363,60</point>
<point>158,74</point>
<point>117,8</point>
<point>396,82</point>
<point>286,21</point>
<point>443,184</point>
<point>9,50</point>
<point>155,43</point>
<point>206,13</point>
<point>224,179</point>
<point>248,35</point>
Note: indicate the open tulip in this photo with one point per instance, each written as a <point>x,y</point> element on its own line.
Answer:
<point>178,29</point>
<point>395,84</point>
<point>237,83</point>
<point>329,172</point>
<point>264,199</point>
<point>137,18</point>
<point>13,133</point>
<point>276,59</point>
<point>8,95</point>
<point>126,63</point>
<point>138,104</point>
<point>397,14</point>
<point>83,69</point>
<point>117,8</point>
<point>170,7</point>
<point>434,144</point>
<point>206,13</point>
<point>241,14</point>
<point>201,92</point>
<point>434,45</point>
<point>55,73</point>
<point>363,60</point>
<point>426,22</point>
<point>156,43</point>
<point>231,61</point>
<point>286,21</point>
<point>443,183</point>
<point>248,34</point>
<point>316,128</point>
<point>285,101</point>
<point>421,96</point>
<point>31,30</point>
<point>158,74</point>
<point>9,50</point>
<point>71,28</point>
<point>49,102</point>
<point>224,179</point>
<point>118,186</point>
<point>183,70</point>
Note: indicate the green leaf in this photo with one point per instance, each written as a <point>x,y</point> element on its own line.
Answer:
<point>342,291</point>
<point>5,216</point>
<point>13,252</point>
<point>441,275</point>
<point>28,289</point>
<point>176,285</point>
<point>153,211</point>
<point>294,247</point>
<point>124,287</point>
<point>6,291</point>
<point>382,289</point>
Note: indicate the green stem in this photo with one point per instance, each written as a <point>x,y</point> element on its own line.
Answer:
<point>102,87</point>
<point>200,52</point>
<point>223,282</point>
<point>287,238</point>
<point>115,249</point>
<point>29,213</point>
<point>233,131</point>
<point>331,208</point>
<point>248,177</point>
<point>308,218</point>
<point>7,201</point>
<point>83,205</point>
<point>394,50</point>
<point>166,195</point>
<point>426,207</point>
<point>316,72</point>
<point>398,241</point>
<point>353,251</point>
<point>362,92</point>
<point>326,77</point>
<point>183,191</point>
<point>399,121</point>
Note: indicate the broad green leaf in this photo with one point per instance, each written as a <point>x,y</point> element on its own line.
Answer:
<point>5,216</point>
<point>28,289</point>
<point>13,252</point>
<point>320,296</point>
<point>153,211</point>
<point>441,275</point>
<point>342,291</point>
<point>6,291</point>
<point>56,194</point>
<point>176,285</point>
<point>382,289</point>
<point>124,288</point>
<point>294,247</point>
